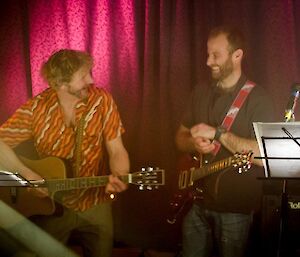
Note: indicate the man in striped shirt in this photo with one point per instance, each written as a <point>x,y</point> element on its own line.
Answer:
<point>79,122</point>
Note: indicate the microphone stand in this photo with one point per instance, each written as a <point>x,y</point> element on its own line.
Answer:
<point>282,220</point>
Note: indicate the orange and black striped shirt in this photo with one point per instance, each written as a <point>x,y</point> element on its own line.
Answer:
<point>42,120</point>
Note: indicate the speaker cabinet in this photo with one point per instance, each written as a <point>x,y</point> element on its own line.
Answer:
<point>280,221</point>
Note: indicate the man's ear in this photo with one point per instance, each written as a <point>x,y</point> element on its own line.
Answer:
<point>238,54</point>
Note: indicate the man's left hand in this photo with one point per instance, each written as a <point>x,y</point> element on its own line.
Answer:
<point>115,185</point>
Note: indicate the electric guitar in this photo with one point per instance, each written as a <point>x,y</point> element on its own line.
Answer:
<point>14,189</point>
<point>187,179</point>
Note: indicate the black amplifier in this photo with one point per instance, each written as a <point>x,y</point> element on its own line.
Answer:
<point>280,218</point>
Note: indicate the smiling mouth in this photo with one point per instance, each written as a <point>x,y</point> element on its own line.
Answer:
<point>215,68</point>
<point>215,71</point>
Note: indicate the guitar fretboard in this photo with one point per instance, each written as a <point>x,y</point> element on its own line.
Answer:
<point>211,168</point>
<point>54,185</point>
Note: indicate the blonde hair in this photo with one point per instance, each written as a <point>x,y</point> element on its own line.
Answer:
<point>62,65</point>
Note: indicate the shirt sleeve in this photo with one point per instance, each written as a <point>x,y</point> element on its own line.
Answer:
<point>196,109</point>
<point>262,108</point>
<point>18,128</point>
<point>187,119</point>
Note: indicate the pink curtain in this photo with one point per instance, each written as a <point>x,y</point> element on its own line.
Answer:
<point>149,55</point>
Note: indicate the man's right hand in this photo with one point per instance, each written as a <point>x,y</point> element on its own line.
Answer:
<point>203,145</point>
<point>38,189</point>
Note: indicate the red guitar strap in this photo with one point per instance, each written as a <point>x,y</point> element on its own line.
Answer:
<point>233,110</point>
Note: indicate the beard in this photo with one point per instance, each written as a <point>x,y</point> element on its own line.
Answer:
<point>224,71</point>
<point>80,94</point>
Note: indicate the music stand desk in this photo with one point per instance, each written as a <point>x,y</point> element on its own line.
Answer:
<point>10,179</point>
<point>280,154</point>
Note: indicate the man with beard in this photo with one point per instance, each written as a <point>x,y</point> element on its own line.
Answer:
<point>79,122</point>
<point>219,223</point>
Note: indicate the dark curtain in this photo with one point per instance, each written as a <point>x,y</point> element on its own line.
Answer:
<point>149,55</point>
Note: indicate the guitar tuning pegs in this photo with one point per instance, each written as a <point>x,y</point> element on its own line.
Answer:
<point>141,187</point>
<point>147,169</point>
<point>149,187</point>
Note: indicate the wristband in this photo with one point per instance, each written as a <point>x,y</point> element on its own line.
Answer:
<point>219,131</point>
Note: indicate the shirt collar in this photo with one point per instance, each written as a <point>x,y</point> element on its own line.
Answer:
<point>242,80</point>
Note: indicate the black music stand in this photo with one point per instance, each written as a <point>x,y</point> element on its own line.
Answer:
<point>10,179</point>
<point>280,154</point>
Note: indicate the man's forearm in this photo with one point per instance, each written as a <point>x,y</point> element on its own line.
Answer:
<point>119,163</point>
<point>8,158</point>
<point>184,142</point>
<point>239,144</point>
<point>10,162</point>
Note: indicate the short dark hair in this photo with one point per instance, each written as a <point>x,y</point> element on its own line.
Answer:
<point>61,66</point>
<point>235,37</point>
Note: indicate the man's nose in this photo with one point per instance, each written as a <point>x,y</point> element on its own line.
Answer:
<point>89,80</point>
<point>209,61</point>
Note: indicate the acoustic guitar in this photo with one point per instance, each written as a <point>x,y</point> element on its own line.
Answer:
<point>187,179</point>
<point>14,189</point>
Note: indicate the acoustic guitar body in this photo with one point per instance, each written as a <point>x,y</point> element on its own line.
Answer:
<point>25,201</point>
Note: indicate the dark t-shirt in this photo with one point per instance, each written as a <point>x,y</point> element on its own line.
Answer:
<point>228,190</point>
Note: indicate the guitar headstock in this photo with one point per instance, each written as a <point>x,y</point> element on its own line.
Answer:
<point>148,178</point>
<point>242,161</point>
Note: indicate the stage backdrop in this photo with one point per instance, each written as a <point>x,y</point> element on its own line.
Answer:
<point>149,55</point>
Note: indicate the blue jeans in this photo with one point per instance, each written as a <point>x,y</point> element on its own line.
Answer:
<point>206,232</point>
